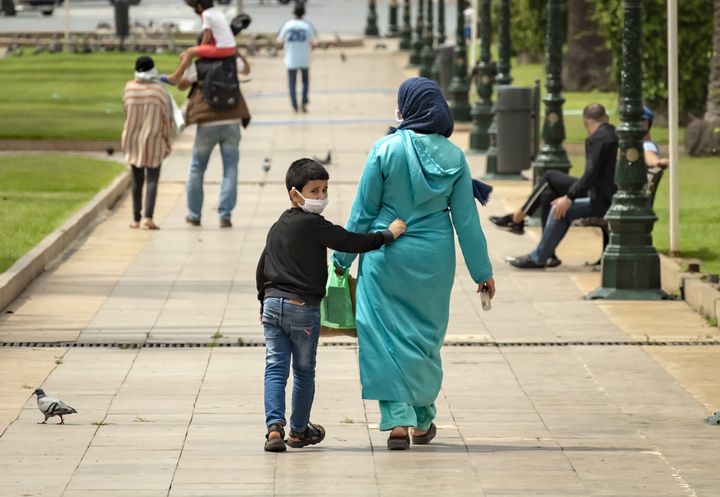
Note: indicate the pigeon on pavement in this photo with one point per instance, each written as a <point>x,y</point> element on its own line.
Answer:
<point>51,406</point>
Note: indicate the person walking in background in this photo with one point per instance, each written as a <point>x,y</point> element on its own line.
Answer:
<point>403,290</point>
<point>217,42</point>
<point>297,37</point>
<point>146,136</point>
<point>215,126</point>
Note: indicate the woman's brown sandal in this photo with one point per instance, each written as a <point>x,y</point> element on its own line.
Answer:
<point>275,444</point>
<point>314,434</point>
<point>398,443</point>
<point>425,439</point>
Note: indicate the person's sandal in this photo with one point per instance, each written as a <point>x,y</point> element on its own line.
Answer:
<point>314,434</point>
<point>148,224</point>
<point>425,439</point>
<point>275,444</point>
<point>398,443</point>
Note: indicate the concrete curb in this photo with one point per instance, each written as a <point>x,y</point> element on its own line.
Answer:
<point>699,294</point>
<point>28,267</point>
<point>59,145</point>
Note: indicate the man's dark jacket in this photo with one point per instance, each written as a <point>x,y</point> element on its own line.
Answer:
<point>598,181</point>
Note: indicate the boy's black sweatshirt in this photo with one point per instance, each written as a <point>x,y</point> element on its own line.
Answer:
<point>294,262</point>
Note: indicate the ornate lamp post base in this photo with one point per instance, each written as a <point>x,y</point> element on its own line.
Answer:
<point>482,116</point>
<point>371,28</point>
<point>630,264</point>
<point>406,31</point>
<point>459,104</point>
<point>393,30</point>
<point>550,159</point>
<point>482,113</point>
<point>427,56</point>
<point>459,86</point>
<point>417,41</point>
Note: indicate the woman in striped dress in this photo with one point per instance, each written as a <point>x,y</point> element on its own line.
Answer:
<point>146,136</point>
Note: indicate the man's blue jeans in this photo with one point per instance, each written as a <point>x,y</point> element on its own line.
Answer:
<point>207,136</point>
<point>292,81</point>
<point>291,334</point>
<point>555,229</point>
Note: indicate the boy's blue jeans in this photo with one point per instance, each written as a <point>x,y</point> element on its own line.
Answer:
<point>291,334</point>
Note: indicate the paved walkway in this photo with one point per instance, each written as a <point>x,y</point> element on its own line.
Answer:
<point>526,418</point>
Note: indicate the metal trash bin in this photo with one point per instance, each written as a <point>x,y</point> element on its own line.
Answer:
<point>513,111</point>
<point>444,68</point>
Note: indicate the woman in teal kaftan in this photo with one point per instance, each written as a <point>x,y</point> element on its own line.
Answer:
<point>403,295</point>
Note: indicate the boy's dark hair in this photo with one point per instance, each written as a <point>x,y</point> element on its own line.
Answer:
<point>299,10</point>
<point>594,112</point>
<point>302,171</point>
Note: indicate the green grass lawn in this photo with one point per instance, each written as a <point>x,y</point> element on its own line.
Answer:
<point>68,96</point>
<point>699,210</point>
<point>38,193</point>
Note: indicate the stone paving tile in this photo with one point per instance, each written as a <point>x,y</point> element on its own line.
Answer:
<point>530,421</point>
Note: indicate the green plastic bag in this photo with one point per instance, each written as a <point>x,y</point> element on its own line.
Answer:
<point>337,309</point>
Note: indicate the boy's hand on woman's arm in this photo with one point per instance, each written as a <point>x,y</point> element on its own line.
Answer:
<point>397,228</point>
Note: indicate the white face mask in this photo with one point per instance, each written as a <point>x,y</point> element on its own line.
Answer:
<point>398,117</point>
<point>313,205</point>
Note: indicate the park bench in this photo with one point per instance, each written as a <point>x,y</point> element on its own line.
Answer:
<point>654,177</point>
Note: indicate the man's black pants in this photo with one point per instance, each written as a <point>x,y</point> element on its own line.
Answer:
<point>552,185</point>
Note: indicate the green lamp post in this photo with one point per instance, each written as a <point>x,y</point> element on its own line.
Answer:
<point>441,22</point>
<point>482,112</point>
<point>504,47</point>
<point>630,264</point>
<point>552,155</point>
<point>503,78</point>
<point>459,86</point>
<point>393,30</point>
<point>371,28</point>
<point>406,31</point>
<point>427,56</point>
<point>417,44</point>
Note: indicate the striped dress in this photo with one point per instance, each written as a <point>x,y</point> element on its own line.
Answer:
<point>148,124</point>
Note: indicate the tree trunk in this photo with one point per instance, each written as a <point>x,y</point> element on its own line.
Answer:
<point>712,110</point>
<point>588,61</point>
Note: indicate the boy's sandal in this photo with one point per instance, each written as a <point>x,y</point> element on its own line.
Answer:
<point>425,439</point>
<point>275,444</point>
<point>398,443</point>
<point>134,225</point>
<point>314,434</point>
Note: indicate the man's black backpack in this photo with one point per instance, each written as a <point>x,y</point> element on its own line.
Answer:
<point>221,88</point>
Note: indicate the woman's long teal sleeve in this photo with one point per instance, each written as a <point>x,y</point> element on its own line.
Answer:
<point>366,206</point>
<point>466,221</point>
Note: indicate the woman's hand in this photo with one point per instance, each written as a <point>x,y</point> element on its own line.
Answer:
<point>490,285</point>
<point>397,228</point>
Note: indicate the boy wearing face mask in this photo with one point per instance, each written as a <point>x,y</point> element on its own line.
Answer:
<point>291,278</point>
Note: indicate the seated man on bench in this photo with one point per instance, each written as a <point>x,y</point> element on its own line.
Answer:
<point>563,198</point>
